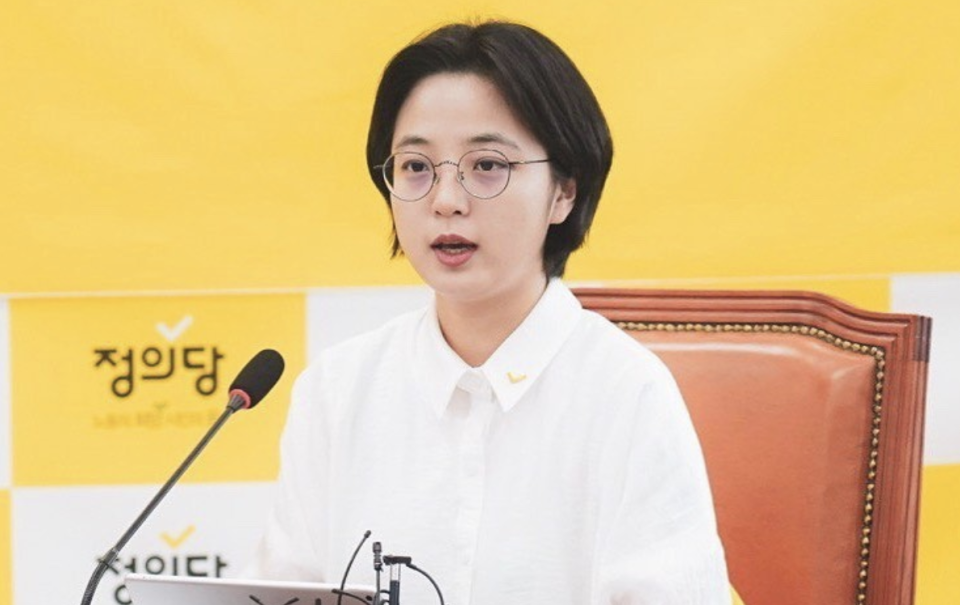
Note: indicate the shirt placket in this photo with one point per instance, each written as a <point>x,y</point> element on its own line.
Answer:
<point>472,473</point>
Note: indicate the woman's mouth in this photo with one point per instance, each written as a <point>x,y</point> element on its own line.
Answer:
<point>453,250</point>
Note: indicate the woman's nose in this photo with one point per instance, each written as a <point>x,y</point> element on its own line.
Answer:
<point>449,196</point>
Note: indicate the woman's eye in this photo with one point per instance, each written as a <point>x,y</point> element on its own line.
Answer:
<point>414,166</point>
<point>489,165</point>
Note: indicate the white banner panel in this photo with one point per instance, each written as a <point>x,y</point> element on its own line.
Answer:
<point>199,530</point>
<point>938,296</point>
<point>334,315</point>
<point>5,433</point>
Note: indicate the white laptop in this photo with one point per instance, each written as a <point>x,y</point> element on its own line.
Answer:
<point>182,590</point>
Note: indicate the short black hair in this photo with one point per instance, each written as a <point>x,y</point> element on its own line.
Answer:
<point>539,83</point>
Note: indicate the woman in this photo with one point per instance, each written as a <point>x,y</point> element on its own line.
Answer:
<point>520,449</point>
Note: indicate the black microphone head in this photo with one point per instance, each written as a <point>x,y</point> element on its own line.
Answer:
<point>257,377</point>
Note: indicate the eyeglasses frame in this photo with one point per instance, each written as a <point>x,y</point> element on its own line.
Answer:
<point>460,178</point>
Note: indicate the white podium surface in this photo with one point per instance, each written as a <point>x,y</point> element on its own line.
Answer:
<point>163,590</point>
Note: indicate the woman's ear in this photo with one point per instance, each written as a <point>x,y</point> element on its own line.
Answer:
<point>563,201</point>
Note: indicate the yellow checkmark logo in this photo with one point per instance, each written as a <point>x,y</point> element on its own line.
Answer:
<point>175,541</point>
<point>515,378</point>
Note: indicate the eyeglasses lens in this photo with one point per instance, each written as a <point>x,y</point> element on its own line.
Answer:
<point>408,175</point>
<point>485,173</point>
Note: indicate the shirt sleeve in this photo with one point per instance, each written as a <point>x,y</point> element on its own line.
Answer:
<point>289,548</point>
<point>657,535</point>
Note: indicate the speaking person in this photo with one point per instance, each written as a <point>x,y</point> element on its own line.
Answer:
<point>520,449</point>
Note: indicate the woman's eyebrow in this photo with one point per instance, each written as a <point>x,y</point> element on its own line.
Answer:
<point>411,139</point>
<point>479,139</point>
<point>494,137</point>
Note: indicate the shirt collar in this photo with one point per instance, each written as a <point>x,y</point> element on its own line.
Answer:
<point>514,367</point>
<point>438,367</point>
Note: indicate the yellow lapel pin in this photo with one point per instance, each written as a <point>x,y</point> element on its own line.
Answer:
<point>515,378</point>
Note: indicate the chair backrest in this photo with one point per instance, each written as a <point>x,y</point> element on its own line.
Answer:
<point>810,413</point>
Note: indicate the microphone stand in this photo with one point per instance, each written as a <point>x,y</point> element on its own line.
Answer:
<point>111,555</point>
<point>378,567</point>
<point>394,563</point>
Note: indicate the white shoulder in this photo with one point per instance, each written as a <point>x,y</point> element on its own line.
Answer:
<point>618,352</point>
<point>362,352</point>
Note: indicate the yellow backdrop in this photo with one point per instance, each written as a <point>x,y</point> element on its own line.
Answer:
<point>219,144</point>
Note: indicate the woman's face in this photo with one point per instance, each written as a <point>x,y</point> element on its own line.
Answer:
<point>468,249</point>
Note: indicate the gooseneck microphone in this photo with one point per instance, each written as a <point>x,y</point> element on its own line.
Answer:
<point>250,386</point>
<point>346,572</point>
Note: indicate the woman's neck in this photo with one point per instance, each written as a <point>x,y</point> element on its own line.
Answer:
<point>476,329</point>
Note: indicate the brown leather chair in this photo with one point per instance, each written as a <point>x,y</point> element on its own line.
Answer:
<point>810,413</point>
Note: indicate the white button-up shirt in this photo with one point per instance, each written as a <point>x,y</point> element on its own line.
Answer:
<point>563,471</point>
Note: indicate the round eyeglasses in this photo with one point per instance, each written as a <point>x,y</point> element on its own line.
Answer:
<point>483,173</point>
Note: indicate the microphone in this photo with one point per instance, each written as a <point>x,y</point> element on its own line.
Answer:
<point>255,380</point>
<point>250,386</point>
<point>343,582</point>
